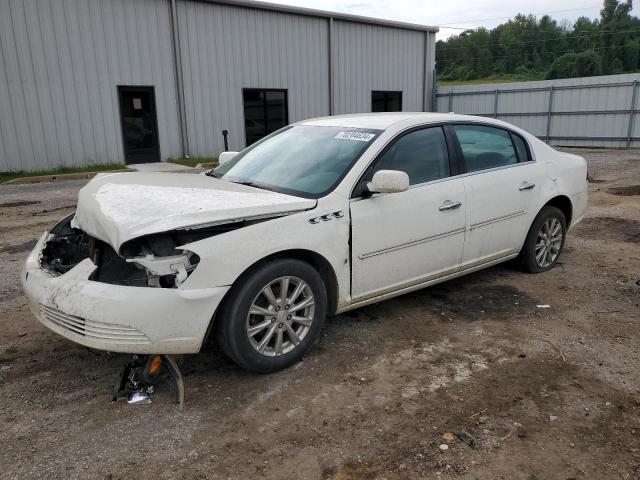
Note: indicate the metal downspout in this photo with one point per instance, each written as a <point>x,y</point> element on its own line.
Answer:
<point>177,63</point>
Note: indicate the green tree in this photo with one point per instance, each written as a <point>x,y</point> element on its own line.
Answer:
<point>588,64</point>
<point>526,47</point>
<point>563,67</point>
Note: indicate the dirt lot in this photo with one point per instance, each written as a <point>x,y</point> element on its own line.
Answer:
<point>545,393</point>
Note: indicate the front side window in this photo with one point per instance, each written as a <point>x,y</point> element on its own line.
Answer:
<point>422,154</point>
<point>303,160</point>
<point>485,147</point>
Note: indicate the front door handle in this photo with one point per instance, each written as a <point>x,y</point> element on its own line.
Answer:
<point>526,186</point>
<point>449,205</point>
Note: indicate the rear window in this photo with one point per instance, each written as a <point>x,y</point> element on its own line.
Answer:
<point>485,147</point>
<point>521,148</point>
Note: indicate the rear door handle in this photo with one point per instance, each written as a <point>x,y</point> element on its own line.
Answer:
<point>449,205</point>
<point>526,186</point>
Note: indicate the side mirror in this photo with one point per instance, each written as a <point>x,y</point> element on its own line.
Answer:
<point>389,181</point>
<point>224,157</point>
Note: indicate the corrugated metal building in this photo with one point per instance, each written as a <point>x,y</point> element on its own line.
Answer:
<point>105,81</point>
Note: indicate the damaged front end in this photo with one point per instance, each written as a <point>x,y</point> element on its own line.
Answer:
<point>154,260</point>
<point>151,261</point>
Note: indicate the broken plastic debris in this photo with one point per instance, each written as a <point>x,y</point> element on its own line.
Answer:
<point>466,438</point>
<point>139,398</point>
<point>135,383</point>
<point>543,306</point>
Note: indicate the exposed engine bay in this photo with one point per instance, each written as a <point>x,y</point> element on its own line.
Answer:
<point>149,261</point>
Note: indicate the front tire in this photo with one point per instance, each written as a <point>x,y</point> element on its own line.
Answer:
<point>544,241</point>
<point>273,316</point>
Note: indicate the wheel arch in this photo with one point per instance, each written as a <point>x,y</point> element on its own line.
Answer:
<point>317,261</point>
<point>562,203</point>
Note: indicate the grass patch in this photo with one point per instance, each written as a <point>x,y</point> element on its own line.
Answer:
<point>102,167</point>
<point>193,161</point>
<point>505,78</point>
<point>446,83</point>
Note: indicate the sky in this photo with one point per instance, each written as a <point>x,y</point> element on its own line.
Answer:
<point>455,13</point>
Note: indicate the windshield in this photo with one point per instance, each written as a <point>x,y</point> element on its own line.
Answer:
<point>303,160</point>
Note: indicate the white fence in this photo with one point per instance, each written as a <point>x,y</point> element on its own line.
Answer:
<point>591,111</point>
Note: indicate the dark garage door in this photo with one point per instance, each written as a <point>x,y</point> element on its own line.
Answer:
<point>139,124</point>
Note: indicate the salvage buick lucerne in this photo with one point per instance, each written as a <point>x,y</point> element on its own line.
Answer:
<point>320,217</point>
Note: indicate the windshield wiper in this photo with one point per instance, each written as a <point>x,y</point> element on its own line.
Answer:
<point>249,183</point>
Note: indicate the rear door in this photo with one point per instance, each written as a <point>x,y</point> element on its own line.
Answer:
<point>402,239</point>
<point>502,188</point>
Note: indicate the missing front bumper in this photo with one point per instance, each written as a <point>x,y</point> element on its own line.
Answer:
<point>87,312</point>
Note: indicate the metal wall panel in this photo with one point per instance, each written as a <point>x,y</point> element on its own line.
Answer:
<point>592,111</point>
<point>515,102</point>
<point>536,125</point>
<point>228,48</point>
<point>60,64</point>
<point>62,60</point>
<point>372,57</point>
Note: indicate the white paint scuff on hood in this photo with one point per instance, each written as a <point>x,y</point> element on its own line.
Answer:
<point>119,207</point>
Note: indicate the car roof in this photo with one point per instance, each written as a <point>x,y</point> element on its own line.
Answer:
<point>382,121</point>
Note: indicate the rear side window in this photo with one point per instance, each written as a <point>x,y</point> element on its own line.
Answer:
<point>422,154</point>
<point>521,148</point>
<point>485,147</point>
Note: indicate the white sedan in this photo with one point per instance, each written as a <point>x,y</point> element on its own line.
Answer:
<point>322,216</point>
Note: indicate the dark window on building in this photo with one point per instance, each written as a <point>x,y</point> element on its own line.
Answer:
<point>265,111</point>
<point>382,101</point>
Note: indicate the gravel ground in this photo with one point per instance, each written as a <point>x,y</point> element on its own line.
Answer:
<point>540,393</point>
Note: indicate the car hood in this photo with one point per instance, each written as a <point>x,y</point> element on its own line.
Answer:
<point>118,207</point>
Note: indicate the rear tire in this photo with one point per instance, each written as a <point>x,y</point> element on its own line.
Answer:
<point>544,241</point>
<point>273,315</point>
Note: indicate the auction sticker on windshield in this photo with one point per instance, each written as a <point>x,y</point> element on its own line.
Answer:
<point>359,136</point>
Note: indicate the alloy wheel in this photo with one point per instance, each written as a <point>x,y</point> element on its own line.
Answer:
<point>280,316</point>
<point>548,242</point>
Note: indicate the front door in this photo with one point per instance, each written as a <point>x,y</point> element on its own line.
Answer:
<point>402,239</point>
<point>139,124</point>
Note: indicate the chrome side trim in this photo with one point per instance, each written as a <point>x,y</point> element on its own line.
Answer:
<point>410,244</point>
<point>498,219</point>
<point>326,217</point>
<point>374,253</point>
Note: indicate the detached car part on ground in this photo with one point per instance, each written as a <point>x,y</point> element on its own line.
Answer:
<point>319,218</point>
